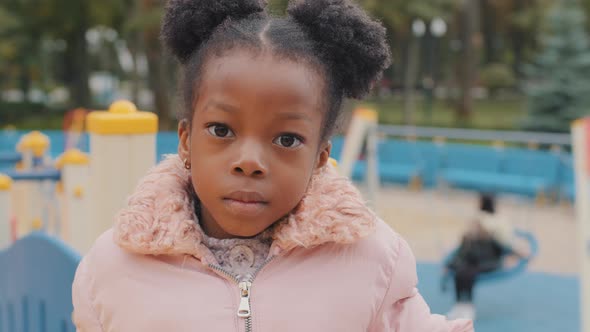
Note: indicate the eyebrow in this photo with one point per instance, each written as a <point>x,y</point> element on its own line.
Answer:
<point>232,109</point>
<point>294,116</point>
<point>220,106</point>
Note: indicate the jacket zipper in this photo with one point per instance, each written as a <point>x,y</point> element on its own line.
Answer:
<point>244,309</point>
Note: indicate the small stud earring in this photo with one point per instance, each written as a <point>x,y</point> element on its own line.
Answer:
<point>187,164</point>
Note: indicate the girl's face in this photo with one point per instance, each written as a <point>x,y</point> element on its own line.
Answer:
<point>254,141</point>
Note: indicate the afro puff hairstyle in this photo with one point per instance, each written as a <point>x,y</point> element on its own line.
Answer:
<point>337,37</point>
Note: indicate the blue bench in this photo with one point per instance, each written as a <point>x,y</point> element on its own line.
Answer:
<point>567,182</point>
<point>517,171</point>
<point>532,173</point>
<point>471,167</point>
<point>36,278</point>
<point>406,161</point>
<point>399,162</point>
<point>529,172</point>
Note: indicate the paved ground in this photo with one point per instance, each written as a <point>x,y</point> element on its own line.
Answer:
<point>432,222</point>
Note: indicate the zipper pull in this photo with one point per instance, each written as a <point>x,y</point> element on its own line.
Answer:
<point>244,309</point>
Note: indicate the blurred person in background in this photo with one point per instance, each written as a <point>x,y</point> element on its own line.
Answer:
<point>484,245</point>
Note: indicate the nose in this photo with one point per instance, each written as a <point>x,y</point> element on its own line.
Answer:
<point>250,161</point>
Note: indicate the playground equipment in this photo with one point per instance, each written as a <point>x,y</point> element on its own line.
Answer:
<point>89,190</point>
<point>74,127</point>
<point>36,285</point>
<point>123,145</point>
<point>362,131</point>
<point>10,158</point>
<point>5,229</point>
<point>34,186</point>
<point>581,144</point>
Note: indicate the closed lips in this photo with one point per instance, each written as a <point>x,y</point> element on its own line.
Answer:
<point>246,197</point>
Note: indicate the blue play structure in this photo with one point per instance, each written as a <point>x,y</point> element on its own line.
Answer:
<point>7,158</point>
<point>505,272</point>
<point>43,174</point>
<point>36,278</point>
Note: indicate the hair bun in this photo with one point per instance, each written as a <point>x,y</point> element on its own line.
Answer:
<point>346,35</point>
<point>188,23</point>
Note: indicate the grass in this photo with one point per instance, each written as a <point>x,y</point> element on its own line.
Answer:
<point>46,122</point>
<point>487,114</point>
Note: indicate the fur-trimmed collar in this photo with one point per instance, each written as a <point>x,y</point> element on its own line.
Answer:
<point>159,218</point>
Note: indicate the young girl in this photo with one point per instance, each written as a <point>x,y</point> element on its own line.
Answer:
<point>249,228</point>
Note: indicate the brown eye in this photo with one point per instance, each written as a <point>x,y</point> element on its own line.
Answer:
<point>219,130</point>
<point>288,141</point>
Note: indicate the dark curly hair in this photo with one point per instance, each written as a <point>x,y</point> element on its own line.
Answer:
<point>336,37</point>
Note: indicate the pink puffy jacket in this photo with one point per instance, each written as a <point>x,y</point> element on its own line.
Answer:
<point>333,266</point>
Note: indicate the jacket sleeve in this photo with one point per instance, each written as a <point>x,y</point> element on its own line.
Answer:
<point>85,317</point>
<point>403,308</point>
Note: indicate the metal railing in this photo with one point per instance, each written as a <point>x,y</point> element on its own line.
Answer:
<point>477,135</point>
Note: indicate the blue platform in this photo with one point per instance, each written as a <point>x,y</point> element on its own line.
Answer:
<point>530,302</point>
<point>34,175</point>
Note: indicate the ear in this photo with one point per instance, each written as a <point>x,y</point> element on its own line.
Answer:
<point>184,138</point>
<point>324,154</point>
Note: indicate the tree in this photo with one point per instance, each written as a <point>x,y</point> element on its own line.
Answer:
<point>145,26</point>
<point>510,29</point>
<point>559,80</point>
<point>39,22</point>
<point>278,6</point>
<point>468,61</point>
<point>20,40</point>
<point>524,30</point>
<point>398,17</point>
<point>68,20</point>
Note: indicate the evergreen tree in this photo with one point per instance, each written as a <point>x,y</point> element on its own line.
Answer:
<point>558,87</point>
